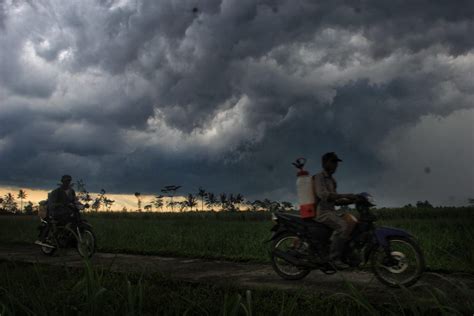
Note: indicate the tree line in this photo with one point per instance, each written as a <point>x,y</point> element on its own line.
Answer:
<point>200,200</point>
<point>166,201</point>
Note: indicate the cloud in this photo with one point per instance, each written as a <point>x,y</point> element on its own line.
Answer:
<point>227,95</point>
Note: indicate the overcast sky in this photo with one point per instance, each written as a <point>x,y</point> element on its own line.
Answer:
<point>134,95</point>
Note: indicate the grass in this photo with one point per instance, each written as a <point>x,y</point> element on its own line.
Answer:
<point>28,289</point>
<point>446,235</point>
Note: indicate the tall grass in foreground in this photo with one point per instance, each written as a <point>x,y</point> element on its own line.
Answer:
<point>45,290</point>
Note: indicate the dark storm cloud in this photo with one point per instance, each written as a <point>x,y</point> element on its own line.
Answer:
<point>222,94</point>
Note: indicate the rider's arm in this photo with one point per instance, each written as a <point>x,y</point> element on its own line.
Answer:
<point>344,200</point>
<point>323,192</point>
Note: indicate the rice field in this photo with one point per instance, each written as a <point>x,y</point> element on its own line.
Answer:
<point>446,235</point>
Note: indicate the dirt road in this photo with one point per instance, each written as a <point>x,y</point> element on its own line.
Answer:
<point>245,275</point>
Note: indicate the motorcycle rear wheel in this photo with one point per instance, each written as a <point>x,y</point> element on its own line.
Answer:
<point>283,268</point>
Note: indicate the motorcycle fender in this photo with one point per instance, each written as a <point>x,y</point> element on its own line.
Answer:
<point>85,224</point>
<point>276,230</point>
<point>382,234</point>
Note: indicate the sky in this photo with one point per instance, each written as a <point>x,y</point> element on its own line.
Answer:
<point>135,95</point>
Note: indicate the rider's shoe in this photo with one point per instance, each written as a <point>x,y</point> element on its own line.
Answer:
<point>339,265</point>
<point>43,244</point>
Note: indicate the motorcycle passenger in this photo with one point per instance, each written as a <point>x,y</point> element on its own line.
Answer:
<point>325,189</point>
<point>60,206</point>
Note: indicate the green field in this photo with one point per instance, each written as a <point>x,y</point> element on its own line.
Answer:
<point>446,235</point>
<point>33,289</point>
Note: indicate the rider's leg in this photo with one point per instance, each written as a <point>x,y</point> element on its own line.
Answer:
<point>340,233</point>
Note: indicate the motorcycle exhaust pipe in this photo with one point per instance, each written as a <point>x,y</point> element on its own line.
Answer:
<point>44,245</point>
<point>290,259</point>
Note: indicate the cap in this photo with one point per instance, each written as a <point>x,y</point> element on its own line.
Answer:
<point>66,177</point>
<point>330,156</point>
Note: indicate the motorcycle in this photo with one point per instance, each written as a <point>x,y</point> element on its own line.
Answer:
<point>75,233</point>
<point>299,246</point>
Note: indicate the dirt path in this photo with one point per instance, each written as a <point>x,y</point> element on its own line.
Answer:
<point>245,275</point>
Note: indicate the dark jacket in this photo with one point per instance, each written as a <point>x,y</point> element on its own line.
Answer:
<point>58,201</point>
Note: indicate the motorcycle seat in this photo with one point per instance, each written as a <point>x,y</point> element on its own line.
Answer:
<point>302,221</point>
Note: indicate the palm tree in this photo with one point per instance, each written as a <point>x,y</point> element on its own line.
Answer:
<point>211,200</point>
<point>191,201</point>
<point>139,201</point>
<point>21,195</point>
<point>238,199</point>
<point>202,194</point>
<point>223,200</point>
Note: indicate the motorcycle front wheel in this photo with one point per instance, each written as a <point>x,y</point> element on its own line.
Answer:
<point>287,242</point>
<point>403,267</point>
<point>49,251</point>
<point>86,244</point>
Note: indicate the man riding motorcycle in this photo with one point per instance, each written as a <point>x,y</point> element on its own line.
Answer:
<point>327,198</point>
<point>61,203</point>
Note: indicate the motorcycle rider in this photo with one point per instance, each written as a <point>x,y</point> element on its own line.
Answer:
<point>60,206</point>
<point>327,199</point>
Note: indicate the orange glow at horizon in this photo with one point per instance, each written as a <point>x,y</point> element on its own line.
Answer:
<point>128,201</point>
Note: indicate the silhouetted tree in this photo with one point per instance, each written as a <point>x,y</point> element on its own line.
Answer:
<point>21,195</point>
<point>191,201</point>
<point>108,203</point>
<point>82,194</point>
<point>139,201</point>
<point>286,205</point>
<point>29,207</point>
<point>182,205</point>
<point>211,200</point>
<point>223,201</point>
<point>202,194</point>
<point>470,201</point>
<point>158,202</point>
<point>98,201</point>
<point>170,190</point>
<point>9,204</point>
<point>424,204</point>
<point>148,208</point>
<point>257,205</point>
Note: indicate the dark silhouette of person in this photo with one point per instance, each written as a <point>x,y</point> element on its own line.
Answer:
<point>61,203</point>
<point>325,189</point>
<point>61,200</point>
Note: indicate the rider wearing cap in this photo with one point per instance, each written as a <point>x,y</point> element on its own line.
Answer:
<point>62,199</point>
<point>60,205</point>
<point>325,189</point>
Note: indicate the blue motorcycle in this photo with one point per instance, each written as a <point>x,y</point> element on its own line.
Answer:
<point>301,245</point>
